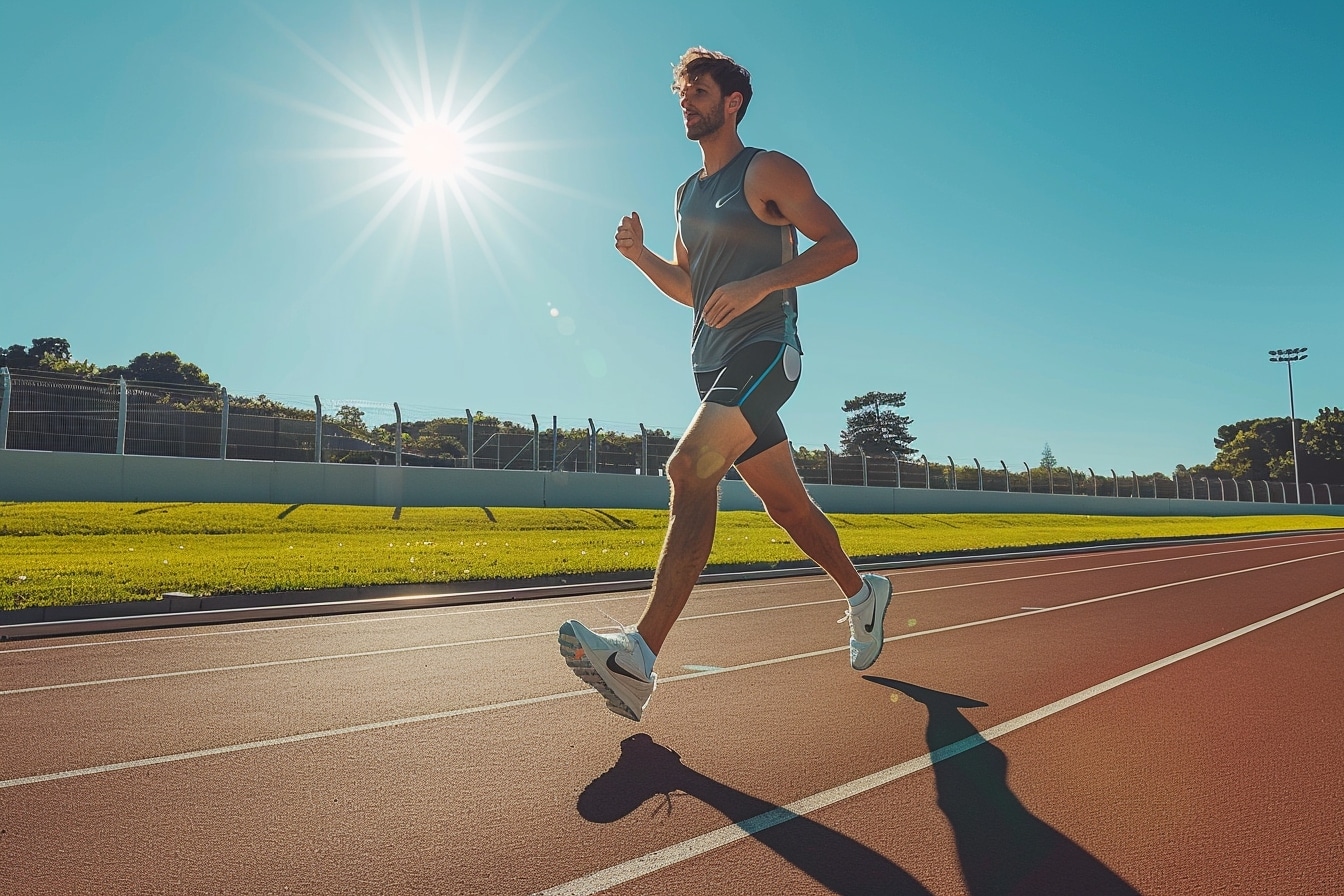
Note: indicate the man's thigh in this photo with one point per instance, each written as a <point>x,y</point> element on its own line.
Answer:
<point>716,436</point>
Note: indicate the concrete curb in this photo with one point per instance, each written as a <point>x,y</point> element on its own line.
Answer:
<point>174,610</point>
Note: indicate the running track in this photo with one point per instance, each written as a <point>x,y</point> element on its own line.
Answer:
<point>1159,721</point>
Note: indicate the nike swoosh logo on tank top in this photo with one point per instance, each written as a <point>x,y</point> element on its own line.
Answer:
<point>720,203</point>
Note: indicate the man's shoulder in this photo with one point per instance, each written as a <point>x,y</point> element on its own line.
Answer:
<point>772,161</point>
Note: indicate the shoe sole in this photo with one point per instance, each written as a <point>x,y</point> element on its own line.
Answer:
<point>878,619</point>
<point>576,658</point>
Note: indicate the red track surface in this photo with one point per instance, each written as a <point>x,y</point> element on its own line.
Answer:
<point>451,751</point>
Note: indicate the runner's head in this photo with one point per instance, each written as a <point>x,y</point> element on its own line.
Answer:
<point>711,85</point>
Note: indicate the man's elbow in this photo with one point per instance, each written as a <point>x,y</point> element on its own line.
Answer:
<point>849,251</point>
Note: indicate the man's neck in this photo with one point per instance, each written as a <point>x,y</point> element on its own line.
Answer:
<point>720,148</point>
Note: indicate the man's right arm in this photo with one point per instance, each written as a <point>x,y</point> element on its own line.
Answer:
<point>674,279</point>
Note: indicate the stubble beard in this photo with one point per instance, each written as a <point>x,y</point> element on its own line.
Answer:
<point>706,125</point>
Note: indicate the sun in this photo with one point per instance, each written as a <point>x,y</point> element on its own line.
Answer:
<point>429,143</point>
<point>434,151</point>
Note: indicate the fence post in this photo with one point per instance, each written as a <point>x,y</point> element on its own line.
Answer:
<point>592,446</point>
<point>223,423</point>
<point>1026,466</point>
<point>928,483</point>
<point>4,408</point>
<point>397,410</point>
<point>979,475</point>
<point>1329,499</point>
<point>555,440</point>
<point>121,415</point>
<point>896,457</point>
<point>952,471</point>
<point>1313,493</point>
<point>1072,489</point>
<point>317,443</point>
<point>643,450</point>
<point>828,463</point>
<point>536,444</point>
<point>1007,480</point>
<point>1094,481</point>
<point>1154,485</point>
<point>864,460</point>
<point>1115,483</point>
<point>471,440</point>
<point>1136,482</point>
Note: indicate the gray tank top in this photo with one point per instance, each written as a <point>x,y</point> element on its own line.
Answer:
<point>727,242</point>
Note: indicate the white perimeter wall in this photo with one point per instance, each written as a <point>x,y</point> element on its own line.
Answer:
<point>66,476</point>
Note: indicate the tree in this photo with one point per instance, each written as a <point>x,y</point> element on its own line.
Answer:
<point>16,357</point>
<point>1048,461</point>
<point>351,418</point>
<point>163,368</point>
<point>1321,442</point>
<point>874,427</point>
<point>1255,449</point>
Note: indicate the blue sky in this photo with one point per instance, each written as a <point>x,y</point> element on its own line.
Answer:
<point>1082,224</point>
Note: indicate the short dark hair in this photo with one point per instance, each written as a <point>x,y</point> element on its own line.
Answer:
<point>731,77</point>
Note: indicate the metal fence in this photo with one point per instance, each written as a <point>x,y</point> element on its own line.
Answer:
<point>44,411</point>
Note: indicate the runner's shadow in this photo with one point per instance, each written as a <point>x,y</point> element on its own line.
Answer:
<point>646,770</point>
<point>1003,848</point>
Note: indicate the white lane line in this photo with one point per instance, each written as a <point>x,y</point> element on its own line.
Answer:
<point>549,633</point>
<point>451,644</point>
<point>642,595</point>
<point>696,846</point>
<point>527,701</point>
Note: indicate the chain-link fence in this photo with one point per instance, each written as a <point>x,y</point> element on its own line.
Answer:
<point>43,411</point>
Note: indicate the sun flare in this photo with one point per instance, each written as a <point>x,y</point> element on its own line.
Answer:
<point>435,161</point>
<point>434,151</point>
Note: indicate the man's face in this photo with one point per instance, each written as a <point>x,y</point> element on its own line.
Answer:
<point>702,107</point>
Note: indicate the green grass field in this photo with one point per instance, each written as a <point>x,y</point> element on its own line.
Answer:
<point>76,553</point>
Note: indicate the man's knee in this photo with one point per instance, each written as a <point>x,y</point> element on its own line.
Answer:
<point>790,512</point>
<point>696,467</point>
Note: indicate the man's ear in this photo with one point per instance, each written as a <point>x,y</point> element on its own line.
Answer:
<point>734,101</point>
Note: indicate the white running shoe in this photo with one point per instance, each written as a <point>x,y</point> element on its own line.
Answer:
<point>619,667</point>
<point>865,622</point>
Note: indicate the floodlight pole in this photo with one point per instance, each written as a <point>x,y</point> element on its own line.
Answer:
<point>1288,356</point>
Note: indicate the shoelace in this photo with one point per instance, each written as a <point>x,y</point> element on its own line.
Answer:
<point>622,630</point>
<point>849,612</point>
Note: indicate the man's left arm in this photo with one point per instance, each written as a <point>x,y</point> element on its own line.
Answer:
<point>780,191</point>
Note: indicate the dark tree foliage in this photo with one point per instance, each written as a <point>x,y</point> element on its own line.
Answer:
<point>17,357</point>
<point>873,425</point>
<point>160,368</point>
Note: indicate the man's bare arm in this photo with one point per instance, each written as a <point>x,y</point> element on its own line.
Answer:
<point>780,192</point>
<point>674,279</point>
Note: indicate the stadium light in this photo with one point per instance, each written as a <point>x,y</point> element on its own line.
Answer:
<point>1288,356</point>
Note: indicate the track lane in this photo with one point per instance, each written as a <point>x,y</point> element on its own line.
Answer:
<point>266,703</point>
<point>432,794</point>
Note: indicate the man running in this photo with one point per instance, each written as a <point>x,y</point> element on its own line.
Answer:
<point>737,265</point>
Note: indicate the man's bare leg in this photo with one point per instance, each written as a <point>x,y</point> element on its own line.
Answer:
<point>774,478</point>
<point>716,436</point>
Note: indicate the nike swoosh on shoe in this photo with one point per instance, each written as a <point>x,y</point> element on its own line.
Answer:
<point>620,670</point>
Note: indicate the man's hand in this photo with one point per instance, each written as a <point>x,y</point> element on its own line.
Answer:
<point>730,300</point>
<point>630,237</point>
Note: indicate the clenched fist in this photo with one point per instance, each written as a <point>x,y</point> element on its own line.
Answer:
<point>630,237</point>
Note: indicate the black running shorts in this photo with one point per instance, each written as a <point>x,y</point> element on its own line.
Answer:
<point>758,378</point>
